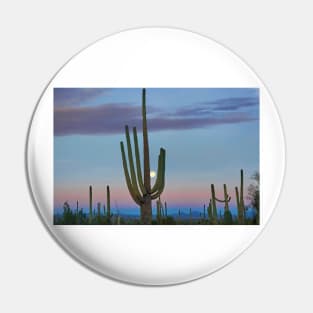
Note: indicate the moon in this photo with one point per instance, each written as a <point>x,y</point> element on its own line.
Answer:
<point>152,174</point>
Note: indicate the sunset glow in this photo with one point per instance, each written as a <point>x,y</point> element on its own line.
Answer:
<point>209,134</point>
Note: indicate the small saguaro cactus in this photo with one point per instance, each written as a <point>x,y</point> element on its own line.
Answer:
<point>108,204</point>
<point>213,205</point>
<point>190,216</point>
<point>240,201</point>
<point>139,185</point>
<point>228,218</point>
<point>210,213</point>
<point>90,204</point>
<point>227,198</point>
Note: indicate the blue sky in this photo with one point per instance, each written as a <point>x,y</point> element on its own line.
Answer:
<point>209,135</point>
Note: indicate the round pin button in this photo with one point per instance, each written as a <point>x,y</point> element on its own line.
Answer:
<point>155,156</point>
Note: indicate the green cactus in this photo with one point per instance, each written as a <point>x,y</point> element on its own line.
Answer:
<point>140,186</point>
<point>190,216</point>
<point>108,205</point>
<point>90,205</point>
<point>165,206</point>
<point>210,212</point>
<point>228,218</point>
<point>213,203</point>
<point>227,214</point>
<point>226,200</point>
<point>240,201</point>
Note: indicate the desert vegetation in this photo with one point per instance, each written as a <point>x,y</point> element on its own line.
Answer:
<point>149,198</point>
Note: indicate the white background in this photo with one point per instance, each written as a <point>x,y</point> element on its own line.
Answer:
<point>274,38</point>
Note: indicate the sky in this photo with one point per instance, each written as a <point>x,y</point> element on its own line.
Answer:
<point>209,135</point>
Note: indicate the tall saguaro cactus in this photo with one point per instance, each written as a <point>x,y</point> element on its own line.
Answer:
<point>139,185</point>
<point>240,201</point>
<point>108,204</point>
<point>90,204</point>
<point>213,207</point>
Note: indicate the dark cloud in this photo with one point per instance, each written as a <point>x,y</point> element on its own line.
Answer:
<point>220,105</point>
<point>75,96</point>
<point>102,119</point>
<point>233,104</point>
<point>111,119</point>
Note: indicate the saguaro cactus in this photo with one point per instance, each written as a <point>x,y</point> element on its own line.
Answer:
<point>227,198</point>
<point>210,212</point>
<point>140,186</point>
<point>90,204</point>
<point>108,204</point>
<point>240,201</point>
<point>213,206</point>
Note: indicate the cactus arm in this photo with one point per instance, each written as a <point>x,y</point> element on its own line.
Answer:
<point>138,165</point>
<point>131,165</point>
<point>227,198</point>
<point>127,177</point>
<point>223,201</point>
<point>146,156</point>
<point>160,181</point>
<point>157,181</point>
<point>161,184</point>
